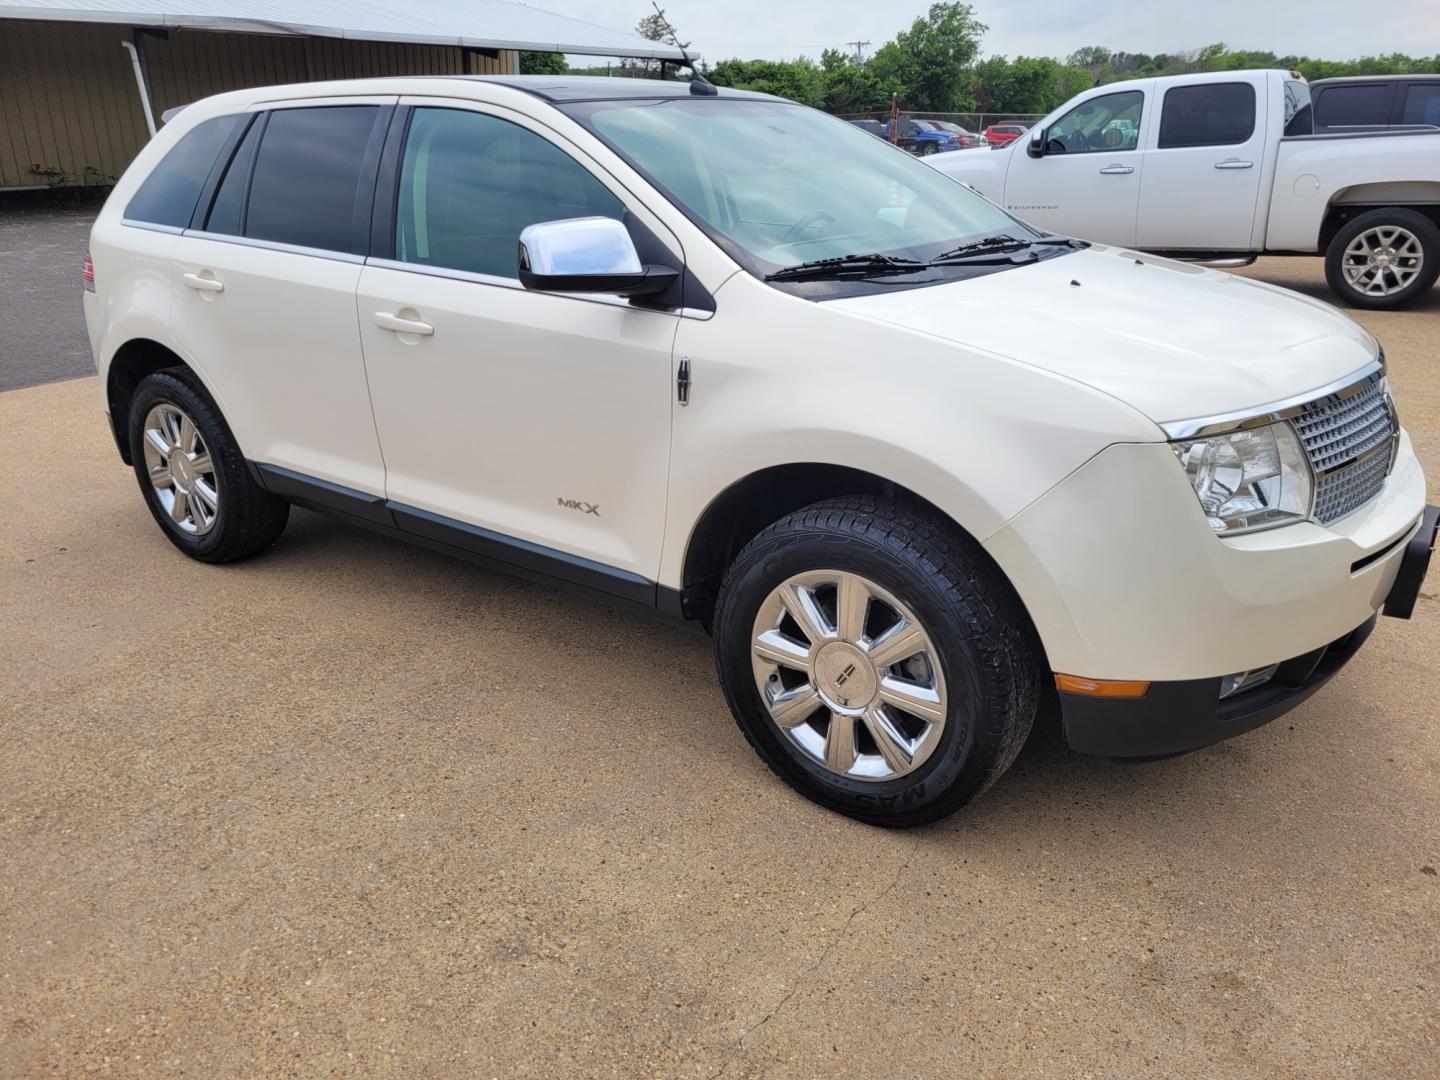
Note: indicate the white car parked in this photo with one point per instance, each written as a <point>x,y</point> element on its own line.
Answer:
<point>922,469</point>
<point>1225,165</point>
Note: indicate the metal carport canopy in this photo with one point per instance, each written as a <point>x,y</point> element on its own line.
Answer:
<point>475,24</point>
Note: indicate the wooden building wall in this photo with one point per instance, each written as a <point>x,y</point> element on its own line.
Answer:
<point>70,113</point>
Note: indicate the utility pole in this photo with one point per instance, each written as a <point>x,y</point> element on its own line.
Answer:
<point>859,50</point>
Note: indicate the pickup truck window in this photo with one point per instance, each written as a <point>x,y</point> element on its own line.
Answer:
<point>469,183</point>
<point>1100,125</point>
<point>1299,114</point>
<point>1422,104</point>
<point>1365,105</point>
<point>1207,114</point>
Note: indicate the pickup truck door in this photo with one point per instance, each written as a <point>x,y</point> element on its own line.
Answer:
<point>1203,165</point>
<point>1087,182</point>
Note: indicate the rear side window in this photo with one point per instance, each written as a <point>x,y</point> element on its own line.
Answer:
<point>469,183</point>
<point>307,184</point>
<point>1367,105</point>
<point>1422,104</point>
<point>169,193</point>
<point>1208,114</point>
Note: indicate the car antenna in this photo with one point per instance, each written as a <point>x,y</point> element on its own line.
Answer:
<point>699,84</point>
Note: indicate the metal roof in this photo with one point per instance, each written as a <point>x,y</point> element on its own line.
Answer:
<point>477,24</point>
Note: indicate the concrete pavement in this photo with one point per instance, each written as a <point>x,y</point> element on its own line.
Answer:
<point>353,808</point>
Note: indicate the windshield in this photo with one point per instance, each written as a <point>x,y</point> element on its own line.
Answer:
<point>780,184</point>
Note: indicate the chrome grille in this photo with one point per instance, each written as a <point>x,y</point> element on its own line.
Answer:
<point>1348,436</point>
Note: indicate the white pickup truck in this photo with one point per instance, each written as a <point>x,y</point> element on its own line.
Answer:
<point>1225,165</point>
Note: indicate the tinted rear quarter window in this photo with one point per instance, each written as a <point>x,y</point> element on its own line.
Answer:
<point>1366,105</point>
<point>226,212</point>
<point>168,195</point>
<point>307,183</point>
<point>1208,114</point>
<point>1422,104</point>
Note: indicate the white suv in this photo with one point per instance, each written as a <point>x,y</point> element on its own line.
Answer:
<point>921,469</point>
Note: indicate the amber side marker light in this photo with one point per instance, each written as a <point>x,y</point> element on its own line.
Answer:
<point>1111,688</point>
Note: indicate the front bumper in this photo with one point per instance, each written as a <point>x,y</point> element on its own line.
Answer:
<point>1181,715</point>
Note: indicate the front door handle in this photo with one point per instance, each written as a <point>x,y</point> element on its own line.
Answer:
<point>388,320</point>
<point>1117,170</point>
<point>1234,163</point>
<point>202,283</point>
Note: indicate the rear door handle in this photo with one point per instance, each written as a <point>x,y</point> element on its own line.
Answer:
<point>201,283</point>
<point>387,320</point>
<point>1117,170</point>
<point>1234,163</point>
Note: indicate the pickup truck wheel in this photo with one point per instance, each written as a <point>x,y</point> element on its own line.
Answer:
<point>928,148</point>
<point>193,475</point>
<point>1384,258</point>
<point>876,660</point>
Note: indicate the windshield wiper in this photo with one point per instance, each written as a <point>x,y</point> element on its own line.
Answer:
<point>848,266</point>
<point>998,245</point>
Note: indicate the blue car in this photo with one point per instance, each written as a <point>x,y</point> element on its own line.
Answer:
<point>922,137</point>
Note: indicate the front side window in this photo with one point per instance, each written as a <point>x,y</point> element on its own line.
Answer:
<point>1366,105</point>
<point>1422,104</point>
<point>306,188</point>
<point>169,194</point>
<point>1207,114</point>
<point>778,185</point>
<point>1102,124</point>
<point>471,183</point>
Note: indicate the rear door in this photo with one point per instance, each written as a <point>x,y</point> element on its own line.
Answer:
<point>264,296</point>
<point>1203,167</point>
<point>1087,184</point>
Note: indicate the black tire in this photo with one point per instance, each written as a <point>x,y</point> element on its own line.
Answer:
<point>990,657</point>
<point>248,518</point>
<point>928,148</point>
<point>1418,224</point>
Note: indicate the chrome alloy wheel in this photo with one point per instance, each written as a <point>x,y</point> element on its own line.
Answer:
<point>178,463</point>
<point>849,675</point>
<point>1383,260</point>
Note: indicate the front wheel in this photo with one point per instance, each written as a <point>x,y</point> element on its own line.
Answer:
<point>876,660</point>
<point>1383,259</point>
<point>928,148</point>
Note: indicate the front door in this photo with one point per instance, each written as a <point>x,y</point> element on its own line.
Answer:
<point>1087,184</point>
<point>532,417</point>
<point>1202,177</point>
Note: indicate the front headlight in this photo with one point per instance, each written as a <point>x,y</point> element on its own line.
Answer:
<point>1252,479</point>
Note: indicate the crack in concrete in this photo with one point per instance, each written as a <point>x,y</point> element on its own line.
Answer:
<point>820,960</point>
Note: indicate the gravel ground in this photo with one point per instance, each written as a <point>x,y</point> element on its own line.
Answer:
<point>352,808</point>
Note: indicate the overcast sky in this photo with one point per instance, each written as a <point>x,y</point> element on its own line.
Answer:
<point>1328,29</point>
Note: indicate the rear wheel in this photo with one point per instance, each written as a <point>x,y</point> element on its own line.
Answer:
<point>1383,259</point>
<point>192,474</point>
<point>876,660</point>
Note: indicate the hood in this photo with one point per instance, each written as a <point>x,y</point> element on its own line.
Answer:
<point>1175,341</point>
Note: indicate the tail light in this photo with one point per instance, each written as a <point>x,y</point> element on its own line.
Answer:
<point>88,273</point>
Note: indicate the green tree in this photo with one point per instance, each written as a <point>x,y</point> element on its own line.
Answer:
<point>543,63</point>
<point>851,86</point>
<point>930,62</point>
<point>799,80</point>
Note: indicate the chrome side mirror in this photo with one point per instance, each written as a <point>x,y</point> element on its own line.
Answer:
<point>593,254</point>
